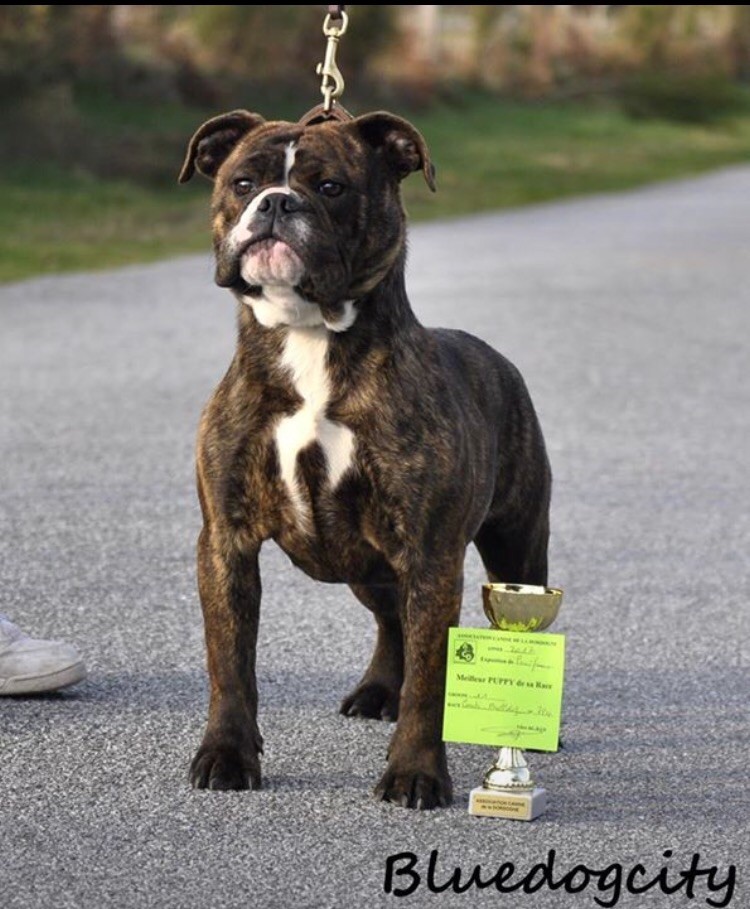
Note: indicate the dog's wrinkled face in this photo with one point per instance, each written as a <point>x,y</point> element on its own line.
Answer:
<point>307,219</point>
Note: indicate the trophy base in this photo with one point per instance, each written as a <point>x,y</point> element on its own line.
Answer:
<point>516,806</point>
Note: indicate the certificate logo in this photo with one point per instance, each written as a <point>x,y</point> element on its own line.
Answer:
<point>465,653</point>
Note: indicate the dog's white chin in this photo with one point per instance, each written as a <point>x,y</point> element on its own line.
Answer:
<point>281,305</point>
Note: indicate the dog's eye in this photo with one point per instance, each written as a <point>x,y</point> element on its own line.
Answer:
<point>330,188</point>
<point>242,186</point>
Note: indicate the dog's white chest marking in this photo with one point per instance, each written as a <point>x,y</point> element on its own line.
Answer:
<point>304,355</point>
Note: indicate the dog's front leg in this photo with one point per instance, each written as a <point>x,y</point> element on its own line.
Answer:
<point>229,586</point>
<point>417,772</point>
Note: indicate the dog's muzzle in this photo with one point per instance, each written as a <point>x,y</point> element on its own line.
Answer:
<point>271,261</point>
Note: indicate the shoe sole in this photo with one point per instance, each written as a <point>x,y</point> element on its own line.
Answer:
<point>53,681</point>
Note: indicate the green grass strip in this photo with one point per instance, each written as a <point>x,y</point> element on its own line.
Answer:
<point>490,154</point>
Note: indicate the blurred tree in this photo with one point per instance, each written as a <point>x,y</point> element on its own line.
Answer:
<point>87,36</point>
<point>27,53</point>
<point>282,43</point>
<point>42,46</point>
<point>649,29</point>
<point>210,54</point>
<point>739,41</point>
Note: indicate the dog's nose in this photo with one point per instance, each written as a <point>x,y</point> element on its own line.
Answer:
<point>278,203</point>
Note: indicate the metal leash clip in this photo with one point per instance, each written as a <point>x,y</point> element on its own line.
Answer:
<point>332,85</point>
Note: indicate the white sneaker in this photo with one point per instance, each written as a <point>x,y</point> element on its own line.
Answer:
<point>30,666</point>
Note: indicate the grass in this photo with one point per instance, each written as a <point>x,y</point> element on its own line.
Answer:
<point>494,154</point>
<point>52,221</point>
<point>490,154</point>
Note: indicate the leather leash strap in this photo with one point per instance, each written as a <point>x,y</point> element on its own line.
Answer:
<point>319,114</point>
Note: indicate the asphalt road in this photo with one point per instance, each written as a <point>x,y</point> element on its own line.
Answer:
<point>629,316</point>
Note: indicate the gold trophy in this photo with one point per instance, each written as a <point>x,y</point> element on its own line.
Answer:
<point>508,789</point>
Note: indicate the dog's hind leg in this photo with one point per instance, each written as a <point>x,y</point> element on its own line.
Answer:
<point>377,694</point>
<point>517,554</point>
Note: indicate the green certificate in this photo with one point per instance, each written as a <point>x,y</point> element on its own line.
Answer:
<point>504,688</point>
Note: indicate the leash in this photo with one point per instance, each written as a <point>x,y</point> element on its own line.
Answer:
<point>332,82</point>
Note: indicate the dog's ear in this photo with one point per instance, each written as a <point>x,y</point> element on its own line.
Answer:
<point>403,145</point>
<point>212,143</point>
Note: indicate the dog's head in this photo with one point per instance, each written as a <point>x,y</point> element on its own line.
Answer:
<point>306,218</point>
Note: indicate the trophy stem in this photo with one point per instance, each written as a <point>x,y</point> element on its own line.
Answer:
<point>510,771</point>
<point>508,790</point>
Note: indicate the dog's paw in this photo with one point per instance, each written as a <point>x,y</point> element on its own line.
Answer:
<point>372,700</point>
<point>224,768</point>
<point>415,790</point>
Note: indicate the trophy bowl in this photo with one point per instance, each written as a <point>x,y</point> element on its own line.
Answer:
<point>520,607</point>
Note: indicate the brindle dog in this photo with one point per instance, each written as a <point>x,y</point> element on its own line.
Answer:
<point>371,449</point>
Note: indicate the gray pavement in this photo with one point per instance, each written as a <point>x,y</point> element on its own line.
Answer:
<point>629,316</point>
